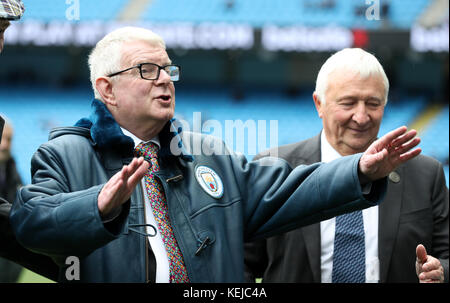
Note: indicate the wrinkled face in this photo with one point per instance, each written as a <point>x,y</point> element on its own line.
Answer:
<point>5,144</point>
<point>140,100</point>
<point>352,112</point>
<point>3,26</point>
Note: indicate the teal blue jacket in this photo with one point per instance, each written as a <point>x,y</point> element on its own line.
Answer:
<point>57,215</point>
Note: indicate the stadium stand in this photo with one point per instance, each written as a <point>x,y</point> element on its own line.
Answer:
<point>435,136</point>
<point>35,111</point>
<point>45,10</point>
<point>254,12</point>
<point>44,77</point>
<point>288,12</point>
<point>297,119</point>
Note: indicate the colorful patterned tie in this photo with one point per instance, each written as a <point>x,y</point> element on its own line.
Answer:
<point>349,256</point>
<point>155,192</point>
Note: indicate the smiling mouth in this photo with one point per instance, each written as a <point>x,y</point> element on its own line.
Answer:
<point>359,131</point>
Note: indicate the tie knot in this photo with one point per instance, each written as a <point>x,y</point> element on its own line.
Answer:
<point>147,150</point>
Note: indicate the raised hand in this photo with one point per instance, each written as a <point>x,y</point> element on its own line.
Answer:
<point>119,188</point>
<point>388,152</point>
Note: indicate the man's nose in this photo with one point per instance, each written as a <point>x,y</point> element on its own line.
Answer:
<point>163,77</point>
<point>361,115</point>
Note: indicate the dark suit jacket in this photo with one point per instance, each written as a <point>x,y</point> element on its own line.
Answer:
<point>414,211</point>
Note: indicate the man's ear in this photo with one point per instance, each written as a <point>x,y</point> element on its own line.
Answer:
<point>105,89</point>
<point>318,104</point>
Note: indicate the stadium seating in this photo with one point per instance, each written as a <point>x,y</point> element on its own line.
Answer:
<point>42,54</point>
<point>401,111</point>
<point>51,10</point>
<point>348,13</point>
<point>34,111</point>
<point>401,14</point>
<point>435,136</point>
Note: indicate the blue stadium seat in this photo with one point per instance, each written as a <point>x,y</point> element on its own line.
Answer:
<point>435,136</point>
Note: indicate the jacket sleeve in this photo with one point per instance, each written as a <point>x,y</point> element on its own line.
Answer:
<point>52,218</point>
<point>278,199</point>
<point>440,205</point>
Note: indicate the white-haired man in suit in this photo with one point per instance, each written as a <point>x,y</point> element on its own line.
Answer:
<point>350,98</point>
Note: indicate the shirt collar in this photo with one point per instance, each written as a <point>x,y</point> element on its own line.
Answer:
<point>137,141</point>
<point>328,153</point>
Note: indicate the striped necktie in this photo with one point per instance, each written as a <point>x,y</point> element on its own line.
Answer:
<point>349,256</point>
<point>155,192</point>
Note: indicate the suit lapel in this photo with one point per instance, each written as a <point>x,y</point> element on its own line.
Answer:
<point>311,233</point>
<point>388,221</point>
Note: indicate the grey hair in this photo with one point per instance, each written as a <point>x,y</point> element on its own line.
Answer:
<point>352,59</point>
<point>106,56</point>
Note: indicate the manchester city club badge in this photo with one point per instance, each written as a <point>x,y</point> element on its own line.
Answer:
<point>210,181</point>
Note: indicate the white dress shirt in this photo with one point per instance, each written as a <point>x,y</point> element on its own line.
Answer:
<point>156,243</point>
<point>327,229</point>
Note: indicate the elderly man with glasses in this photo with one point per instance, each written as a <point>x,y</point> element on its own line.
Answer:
<point>124,193</point>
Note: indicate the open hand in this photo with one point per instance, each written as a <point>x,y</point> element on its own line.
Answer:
<point>388,152</point>
<point>119,188</point>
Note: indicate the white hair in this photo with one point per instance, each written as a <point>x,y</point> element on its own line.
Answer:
<point>354,60</point>
<point>106,56</point>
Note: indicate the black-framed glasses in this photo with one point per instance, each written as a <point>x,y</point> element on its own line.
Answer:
<point>150,71</point>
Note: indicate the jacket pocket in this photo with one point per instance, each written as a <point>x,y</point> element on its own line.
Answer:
<point>415,215</point>
<point>213,205</point>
